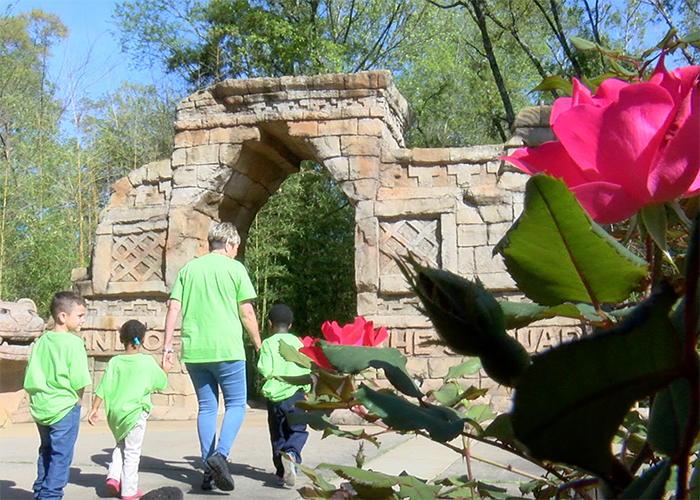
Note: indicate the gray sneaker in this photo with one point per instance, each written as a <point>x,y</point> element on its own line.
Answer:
<point>290,469</point>
<point>218,468</point>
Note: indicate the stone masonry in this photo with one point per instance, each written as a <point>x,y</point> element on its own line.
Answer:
<point>237,141</point>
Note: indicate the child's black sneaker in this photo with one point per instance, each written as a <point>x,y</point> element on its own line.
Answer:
<point>207,482</point>
<point>218,468</point>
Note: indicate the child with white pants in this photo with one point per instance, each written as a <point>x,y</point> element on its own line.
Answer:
<point>126,388</point>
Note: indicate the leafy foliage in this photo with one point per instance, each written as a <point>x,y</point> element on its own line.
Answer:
<point>571,402</point>
<point>300,250</point>
<point>568,268</point>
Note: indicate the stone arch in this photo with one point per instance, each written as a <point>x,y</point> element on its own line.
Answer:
<point>237,141</point>
<point>256,132</point>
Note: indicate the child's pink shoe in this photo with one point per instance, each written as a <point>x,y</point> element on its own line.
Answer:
<point>134,497</point>
<point>113,488</point>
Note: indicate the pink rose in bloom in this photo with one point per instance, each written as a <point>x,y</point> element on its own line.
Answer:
<point>627,146</point>
<point>359,333</point>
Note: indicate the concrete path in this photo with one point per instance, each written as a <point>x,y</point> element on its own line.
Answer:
<point>170,459</point>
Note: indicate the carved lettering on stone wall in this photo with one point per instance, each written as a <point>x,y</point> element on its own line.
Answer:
<point>106,342</point>
<point>138,257</point>
<point>414,342</point>
<point>540,339</point>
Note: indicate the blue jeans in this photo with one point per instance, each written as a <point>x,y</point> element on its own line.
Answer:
<point>207,378</point>
<point>55,455</point>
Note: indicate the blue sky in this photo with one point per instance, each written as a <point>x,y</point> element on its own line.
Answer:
<point>88,60</point>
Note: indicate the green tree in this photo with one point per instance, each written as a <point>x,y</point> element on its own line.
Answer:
<point>33,207</point>
<point>300,250</point>
<point>209,41</point>
<point>127,129</point>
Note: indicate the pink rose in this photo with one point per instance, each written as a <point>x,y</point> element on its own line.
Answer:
<point>359,333</point>
<point>627,146</point>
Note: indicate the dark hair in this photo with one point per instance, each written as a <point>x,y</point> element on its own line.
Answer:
<point>281,316</point>
<point>64,302</point>
<point>132,329</point>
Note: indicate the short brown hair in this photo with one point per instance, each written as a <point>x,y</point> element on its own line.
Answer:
<point>64,302</point>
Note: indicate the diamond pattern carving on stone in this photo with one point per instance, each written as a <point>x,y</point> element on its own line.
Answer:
<point>420,237</point>
<point>138,257</point>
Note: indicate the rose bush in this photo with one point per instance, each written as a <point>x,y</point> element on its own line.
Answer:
<point>359,333</point>
<point>627,146</point>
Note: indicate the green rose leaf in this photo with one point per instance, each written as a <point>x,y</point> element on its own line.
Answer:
<point>337,387</point>
<point>317,480</point>
<point>582,43</point>
<point>449,394</point>
<point>492,491</point>
<point>654,217</point>
<point>669,417</point>
<point>354,359</point>
<point>321,405</point>
<point>293,355</point>
<point>371,484</point>
<point>651,484</point>
<point>317,420</point>
<point>442,423</point>
<point>521,314</point>
<point>554,83</point>
<point>501,428</point>
<point>479,413</point>
<point>589,385</point>
<point>557,254</point>
<point>468,367</point>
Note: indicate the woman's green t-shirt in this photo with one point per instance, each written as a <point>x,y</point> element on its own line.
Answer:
<point>210,288</point>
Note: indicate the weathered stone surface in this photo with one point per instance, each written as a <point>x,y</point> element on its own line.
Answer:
<point>325,147</point>
<point>484,195</point>
<point>467,262</point>
<point>120,191</point>
<point>438,367</point>
<point>535,116</point>
<point>363,167</point>
<point>303,129</point>
<point>360,146</point>
<point>159,171</point>
<point>370,126</point>
<point>338,127</point>
<point>496,213</point>
<point>472,235</point>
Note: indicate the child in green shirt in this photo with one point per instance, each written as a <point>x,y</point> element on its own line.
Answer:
<point>57,372</point>
<point>286,437</point>
<point>126,388</point>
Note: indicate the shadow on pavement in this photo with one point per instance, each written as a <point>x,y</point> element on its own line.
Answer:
<point>186,471</point>
<point>8,490</point>
<point>94,481</point>
<point>263,476</point>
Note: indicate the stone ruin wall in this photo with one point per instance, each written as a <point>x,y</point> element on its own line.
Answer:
<point>237,141</point>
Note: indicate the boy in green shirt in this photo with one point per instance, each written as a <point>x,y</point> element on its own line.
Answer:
<point>57,373</point>
<point>285,437</point>
<point>126,388</point>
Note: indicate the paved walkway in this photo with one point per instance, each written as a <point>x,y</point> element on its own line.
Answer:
<point>170,459</point>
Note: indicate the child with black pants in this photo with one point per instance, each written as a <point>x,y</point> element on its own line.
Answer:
<point>285,437</point>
